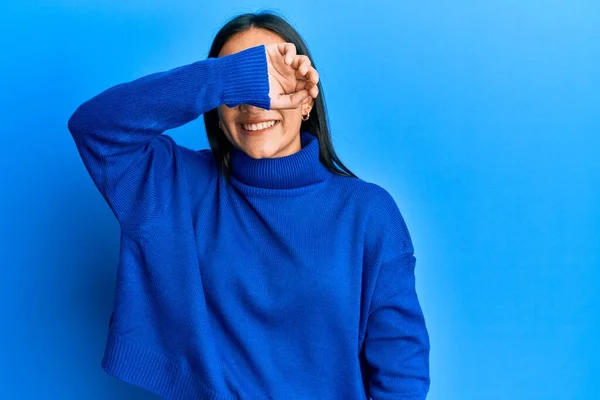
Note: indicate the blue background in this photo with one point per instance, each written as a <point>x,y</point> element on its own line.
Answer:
<point>480,118</point>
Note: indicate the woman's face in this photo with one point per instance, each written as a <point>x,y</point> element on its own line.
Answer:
<point>284,138</point>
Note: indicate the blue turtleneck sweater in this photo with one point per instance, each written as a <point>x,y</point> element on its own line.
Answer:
<point>289,282</point>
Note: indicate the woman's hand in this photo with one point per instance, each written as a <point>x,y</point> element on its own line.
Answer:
<point>292,78</point>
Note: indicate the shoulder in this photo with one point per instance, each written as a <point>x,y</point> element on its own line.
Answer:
<point>385,230</point>
<point>202,158</point>
<point>199,169</point>
<point>198,163</point>
<point>367,193</point>
<point>373,198</point>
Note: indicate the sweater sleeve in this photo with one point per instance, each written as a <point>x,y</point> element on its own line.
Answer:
<point>396,343</point>
<point>119,132</point>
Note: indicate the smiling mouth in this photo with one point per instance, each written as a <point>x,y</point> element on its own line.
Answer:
<point>258,131</point>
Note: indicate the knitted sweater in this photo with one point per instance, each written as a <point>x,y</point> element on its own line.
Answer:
<point>289,282</point>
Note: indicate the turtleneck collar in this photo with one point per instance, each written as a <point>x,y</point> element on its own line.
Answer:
<point>294,171</point>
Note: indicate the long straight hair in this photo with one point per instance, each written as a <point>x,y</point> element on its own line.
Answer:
<point>317,122</point>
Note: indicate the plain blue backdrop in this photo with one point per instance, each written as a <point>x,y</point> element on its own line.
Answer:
<point>480,118</point>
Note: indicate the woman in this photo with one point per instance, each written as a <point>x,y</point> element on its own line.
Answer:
<point>257,268</point>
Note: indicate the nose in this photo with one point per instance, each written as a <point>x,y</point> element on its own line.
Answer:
<point>250,109</point>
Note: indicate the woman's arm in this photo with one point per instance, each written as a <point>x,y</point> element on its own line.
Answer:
<point>396,342</point>
<point>118,132</point>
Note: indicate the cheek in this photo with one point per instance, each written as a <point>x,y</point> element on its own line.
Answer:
<point>227,117</point>
<point>292,117</point>
<point>222,113</point>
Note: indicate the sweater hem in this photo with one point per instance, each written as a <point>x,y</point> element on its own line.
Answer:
<point>143,367</point>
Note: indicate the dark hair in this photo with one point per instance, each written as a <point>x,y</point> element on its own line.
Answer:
<point>317,122</point>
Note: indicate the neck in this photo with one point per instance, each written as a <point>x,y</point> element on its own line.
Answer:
<point>293,171</point>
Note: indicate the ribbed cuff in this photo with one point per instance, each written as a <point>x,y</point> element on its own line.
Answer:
<point>245,78</point>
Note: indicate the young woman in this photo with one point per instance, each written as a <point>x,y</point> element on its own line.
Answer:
<point>258,268</point>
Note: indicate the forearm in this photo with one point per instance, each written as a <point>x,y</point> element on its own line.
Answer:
<point>118,132</point>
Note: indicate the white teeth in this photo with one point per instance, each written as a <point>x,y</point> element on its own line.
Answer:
<point>257,127</point>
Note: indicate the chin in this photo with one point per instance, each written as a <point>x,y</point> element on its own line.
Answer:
<point>266,153</point>
<point>266,150</point>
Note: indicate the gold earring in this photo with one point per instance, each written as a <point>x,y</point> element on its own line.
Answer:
<point>307,117</point>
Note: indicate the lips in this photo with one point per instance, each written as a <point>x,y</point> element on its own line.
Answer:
<point>241,126</point>
<point>258,121</point>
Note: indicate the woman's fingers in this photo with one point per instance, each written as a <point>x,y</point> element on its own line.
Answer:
<point>293,100</point>
<point>308,73</point>
<point>302,65</point>
<point>313,89</point>
<point>292,77</point>
<point>300,60</point>
<point>313,75</point>
<point>288,50</point>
